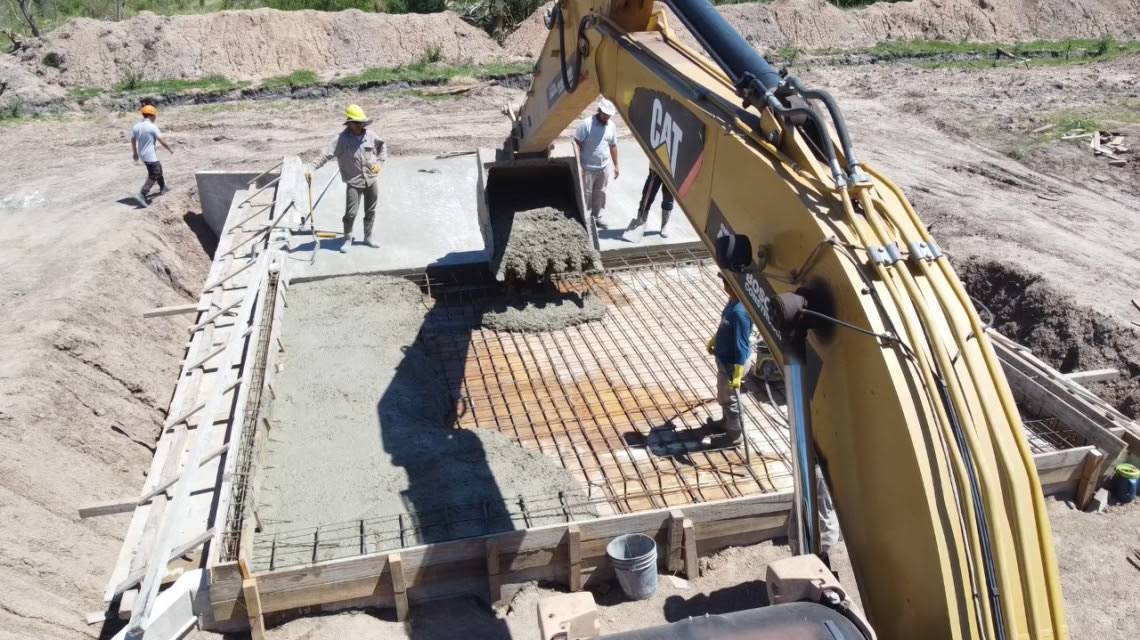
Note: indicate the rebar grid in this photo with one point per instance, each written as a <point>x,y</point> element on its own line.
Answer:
<point>1049,434</point>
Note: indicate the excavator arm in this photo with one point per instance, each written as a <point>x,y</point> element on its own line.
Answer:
<point>893,387</point>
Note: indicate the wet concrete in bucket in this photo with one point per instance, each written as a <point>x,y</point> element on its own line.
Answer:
<point>538,243</point>
<point>540,311</point>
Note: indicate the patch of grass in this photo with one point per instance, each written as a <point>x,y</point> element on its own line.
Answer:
<point>1073,121</point>
<point>176,86</point>
<point>293,80</point>
<point>1038,53</point>
<point>423,72</point>
<point>83,94</point>
<point>432,97</point>
<point>433,54</point>
<point>52,59</point>
<point>132,79</point>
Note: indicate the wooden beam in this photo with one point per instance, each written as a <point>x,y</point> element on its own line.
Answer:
<point>692,562</point>
<point>675,541</point>
<point>186,547</point>
<point>1091,470</point>
<point>108,507</point>
<point>1132,440</point>
<point>399,589</point>
<point>574,557</point>
<point>174,310</point>
<point>1094,375</point>
<point>253,609</point>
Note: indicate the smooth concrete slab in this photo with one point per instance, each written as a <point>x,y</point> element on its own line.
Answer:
<point>623,197</point>
<point>427,216</point>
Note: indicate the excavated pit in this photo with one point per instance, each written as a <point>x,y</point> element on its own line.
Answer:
<point>1026,309</point>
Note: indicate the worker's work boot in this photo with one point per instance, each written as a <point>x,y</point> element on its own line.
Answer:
<point>664,223</point>
<point>347,243</point>
<point>140,197</point>
<point>599,225</point>
<point>732,429</point>
<point>715,426</point>
<point>368,241</point>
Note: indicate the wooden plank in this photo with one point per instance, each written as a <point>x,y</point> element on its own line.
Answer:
<point>108,507</point>
<point>1065,458</point>
<point>137,575</point>
<point>173,310</point>
<point>1091,472</point>
<point>1094,375</point>
<point>253,609</point>
<point>675,541</point>
<point>399,589</point>
<point>1132,440</point>
<point>574,557</point>
<point>1074,412</point>
<point>692,563</point>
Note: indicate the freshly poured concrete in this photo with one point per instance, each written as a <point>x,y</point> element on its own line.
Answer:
<point>361,426</point>
<point>428,215</point>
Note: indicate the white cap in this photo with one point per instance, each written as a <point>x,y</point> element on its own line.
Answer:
<point>606,107</point>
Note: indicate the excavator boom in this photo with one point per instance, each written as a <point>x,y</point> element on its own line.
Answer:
<point>894,389</point>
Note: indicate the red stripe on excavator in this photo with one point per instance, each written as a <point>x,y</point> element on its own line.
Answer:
<point>689,179</point>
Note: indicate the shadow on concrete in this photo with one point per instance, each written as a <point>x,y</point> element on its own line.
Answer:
<point>202,231</point>
<point>130,200</point>
<point>746,595</point>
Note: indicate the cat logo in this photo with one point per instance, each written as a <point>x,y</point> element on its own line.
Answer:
<point>675,135</point>
<point>665,136</point>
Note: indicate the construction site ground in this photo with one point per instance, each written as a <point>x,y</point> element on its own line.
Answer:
<point>1047,229</point>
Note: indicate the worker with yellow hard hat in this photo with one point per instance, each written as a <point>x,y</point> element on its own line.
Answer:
<point>145,137</point>
<point>360,154</point>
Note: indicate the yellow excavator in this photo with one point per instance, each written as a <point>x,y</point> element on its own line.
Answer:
<point>893,388</point>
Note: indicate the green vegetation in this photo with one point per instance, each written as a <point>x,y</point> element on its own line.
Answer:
<point>988,55</point>
<point>172,87</point>
<point>424,72</point>
<point>52,59</point>
<point>294,80</point>
<point>83,94</point>
<point>1068,121</point>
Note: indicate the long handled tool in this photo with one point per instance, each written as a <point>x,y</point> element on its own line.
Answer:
<point>317,235</point>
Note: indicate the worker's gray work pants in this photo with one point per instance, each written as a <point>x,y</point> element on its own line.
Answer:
<point>594,183</point>
<point>352,203</point>
<point>826,518</point>
<point>729,401</point>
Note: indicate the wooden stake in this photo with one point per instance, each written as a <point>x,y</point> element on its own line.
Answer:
<point>253,608</point>
<point>494,579</point>
<point>692,567</point>
<point>399,591</point>
<point>175,310</point>
<point>675,540</point>
<point>574,553</point>
<point>1090,477</point>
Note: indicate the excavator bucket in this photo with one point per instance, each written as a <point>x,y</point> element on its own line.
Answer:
<point>519,243</point>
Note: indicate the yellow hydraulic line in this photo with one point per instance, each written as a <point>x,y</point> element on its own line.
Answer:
<point>1044,532</point>
<point>1028,540</point>
<point>914,335</point>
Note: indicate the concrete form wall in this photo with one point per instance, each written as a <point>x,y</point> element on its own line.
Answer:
<point>216,191</point>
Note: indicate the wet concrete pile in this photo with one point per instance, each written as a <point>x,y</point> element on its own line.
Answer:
<point>538,243</point>
<point>541,311</point>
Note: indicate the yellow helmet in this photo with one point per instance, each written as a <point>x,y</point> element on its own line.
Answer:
<point>355,114</point>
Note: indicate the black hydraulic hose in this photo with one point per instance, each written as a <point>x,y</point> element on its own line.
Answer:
<point>836,117</point>
<point>727,47</point>
<point>562,51</point>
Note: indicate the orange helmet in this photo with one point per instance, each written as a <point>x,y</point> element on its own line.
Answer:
<point>149,110</point>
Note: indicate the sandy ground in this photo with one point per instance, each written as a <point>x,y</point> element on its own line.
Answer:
<point>84,382</point>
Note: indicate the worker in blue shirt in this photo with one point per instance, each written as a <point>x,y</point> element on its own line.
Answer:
<point>732,347</point>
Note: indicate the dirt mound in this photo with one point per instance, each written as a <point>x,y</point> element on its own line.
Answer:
<point>818,23</point>
<point>248,45</point>
<point>1070,338</point>
<point>22,91</point>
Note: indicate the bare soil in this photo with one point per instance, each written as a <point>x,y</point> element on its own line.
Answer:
<point>250,45</point>
<point>85,381</point>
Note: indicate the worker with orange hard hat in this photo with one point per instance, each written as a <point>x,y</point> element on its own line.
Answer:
<point>145,137</point>
<point>360,154</point>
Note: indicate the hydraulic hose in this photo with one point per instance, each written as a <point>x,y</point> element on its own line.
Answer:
<point>840,124</point>
<point>1052,580</point>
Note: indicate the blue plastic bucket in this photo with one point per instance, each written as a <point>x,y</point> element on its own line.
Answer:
<point>1125,482</point>
<point>635,562</point>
